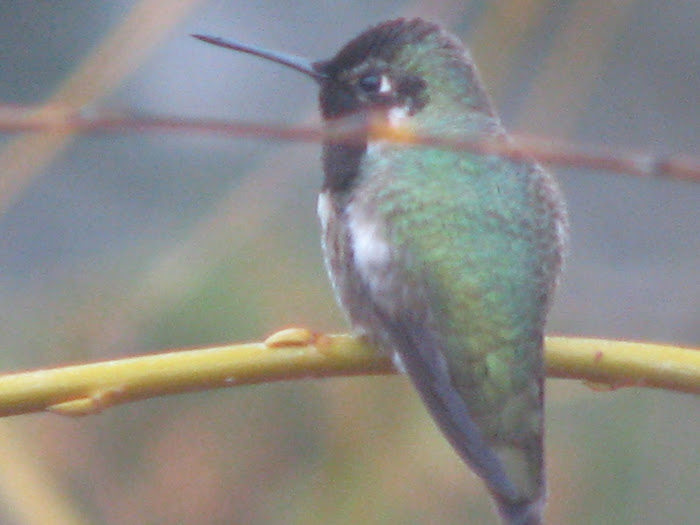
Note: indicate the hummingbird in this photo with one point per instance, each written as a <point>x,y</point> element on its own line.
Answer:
<point>445,260</point>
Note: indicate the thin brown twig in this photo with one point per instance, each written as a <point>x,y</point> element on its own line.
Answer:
<point>14,119</point>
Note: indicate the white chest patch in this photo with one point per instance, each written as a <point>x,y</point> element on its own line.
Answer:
<point>323,209</point>
<point>370,249</point>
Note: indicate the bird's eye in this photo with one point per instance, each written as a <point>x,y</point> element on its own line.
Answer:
<point>371,83</point>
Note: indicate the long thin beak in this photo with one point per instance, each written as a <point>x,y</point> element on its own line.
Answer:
<point>302,65</point>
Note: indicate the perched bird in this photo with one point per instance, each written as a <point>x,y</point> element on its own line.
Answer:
<point>446,260</point>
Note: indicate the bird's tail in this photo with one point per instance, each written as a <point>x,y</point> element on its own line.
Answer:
<point>521,512</point>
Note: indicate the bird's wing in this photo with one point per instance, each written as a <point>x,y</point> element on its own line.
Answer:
<point>423,356</point>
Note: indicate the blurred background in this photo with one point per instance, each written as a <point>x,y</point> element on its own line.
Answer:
<point>122,244</point>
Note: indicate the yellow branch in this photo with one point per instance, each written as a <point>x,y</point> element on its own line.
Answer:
<point>300,354</point>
